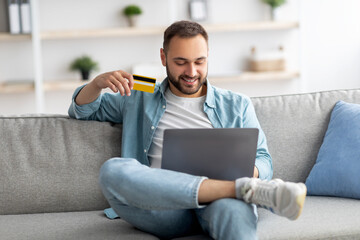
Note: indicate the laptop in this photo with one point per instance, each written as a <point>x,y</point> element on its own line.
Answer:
<point>220,153</point>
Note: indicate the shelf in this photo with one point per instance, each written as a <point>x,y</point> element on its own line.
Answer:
<point>16,87</point>
<point>63,85</point>
<point>257,76</point>
<point>252,26</point>
<point>21,87</point>
<point>73,84</point>
<point>10,37</point>
<point>143,31</point>
<point>95,33</point>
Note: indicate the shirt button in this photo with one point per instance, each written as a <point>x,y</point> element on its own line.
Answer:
<point>152,127</point>
<point>164,106</point>
<point>145,150</point>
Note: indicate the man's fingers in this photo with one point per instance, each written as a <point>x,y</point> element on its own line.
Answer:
<point>129,77</point>
<point>115,81</point>
<point>112,87</point>
<point>121,76</point>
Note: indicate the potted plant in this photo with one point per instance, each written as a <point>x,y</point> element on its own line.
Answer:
<point>274,4</point>
<point>85,65</point>
<point>132,12</point>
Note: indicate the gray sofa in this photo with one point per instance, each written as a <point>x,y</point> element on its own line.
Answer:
<point>49,173</point>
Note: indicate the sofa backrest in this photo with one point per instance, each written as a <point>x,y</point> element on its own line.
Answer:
<point>51,163</point>
<point>295,126</point>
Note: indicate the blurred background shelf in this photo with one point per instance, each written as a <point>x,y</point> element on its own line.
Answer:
<point>253,26</point>
<point>68,84</point>
<point>12,37</point>
<point>257,76</point>
<point>143,31</point>
<point>18,87</point>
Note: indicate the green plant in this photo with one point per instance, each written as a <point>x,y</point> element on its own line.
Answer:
<point>274,3</point>
<point>84,63</point>
<point>132,10</point>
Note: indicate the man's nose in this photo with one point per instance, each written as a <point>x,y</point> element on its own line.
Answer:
<point>191,70</point>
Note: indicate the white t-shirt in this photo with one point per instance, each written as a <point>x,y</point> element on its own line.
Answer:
<point>180,113</point>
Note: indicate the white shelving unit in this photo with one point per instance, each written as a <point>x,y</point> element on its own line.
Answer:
<point>143,31</point>
<point>37,37</point>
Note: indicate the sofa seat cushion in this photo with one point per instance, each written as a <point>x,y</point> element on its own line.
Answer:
<point>71,225</point>
<point>322,218</point>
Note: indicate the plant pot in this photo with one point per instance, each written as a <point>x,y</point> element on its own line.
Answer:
<point>132,20</point>
<point>85,75</point>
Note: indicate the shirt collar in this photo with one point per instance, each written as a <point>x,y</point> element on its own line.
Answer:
<point>163,86</point>
<point>210,95</point>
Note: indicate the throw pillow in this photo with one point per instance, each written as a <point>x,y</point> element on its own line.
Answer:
<point>337,168</point>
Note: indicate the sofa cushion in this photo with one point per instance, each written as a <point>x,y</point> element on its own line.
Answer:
<point>92,225</point>
<point>322,218</point>
<point>336,171</point>
<point>51,163</point>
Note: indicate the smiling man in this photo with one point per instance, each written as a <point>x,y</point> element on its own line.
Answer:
<point>171,204</point>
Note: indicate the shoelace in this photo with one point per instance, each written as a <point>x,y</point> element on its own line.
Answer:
<point>263,195</point>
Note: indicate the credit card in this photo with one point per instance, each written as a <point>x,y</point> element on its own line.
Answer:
<point>145,84</point>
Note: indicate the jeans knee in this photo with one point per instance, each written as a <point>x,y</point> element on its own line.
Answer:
<point>227,218</point>
<point>231,209</point>
<point>114,168</point>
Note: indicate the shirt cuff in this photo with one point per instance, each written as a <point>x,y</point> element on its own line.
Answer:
<point>84,110</point>
<point>110,213</point>
<point>264,172</point>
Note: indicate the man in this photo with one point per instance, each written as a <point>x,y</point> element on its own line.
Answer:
<point>171,204</point>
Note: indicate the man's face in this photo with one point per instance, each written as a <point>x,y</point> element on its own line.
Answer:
<point>186,65</point>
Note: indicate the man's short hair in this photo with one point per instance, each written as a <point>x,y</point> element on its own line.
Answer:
<point>183,29</point>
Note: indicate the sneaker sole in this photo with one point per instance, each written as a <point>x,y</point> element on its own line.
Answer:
<point>300,200</point>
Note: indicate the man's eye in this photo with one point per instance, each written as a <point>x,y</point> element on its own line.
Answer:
<point>180,63</point>
<point>199,62</point>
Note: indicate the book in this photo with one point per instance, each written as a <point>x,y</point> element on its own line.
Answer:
<point>14,16</point>
<point>4,23</point>
<point>25,16</point>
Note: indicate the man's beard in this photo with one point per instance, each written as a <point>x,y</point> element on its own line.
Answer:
<point>181,88</point>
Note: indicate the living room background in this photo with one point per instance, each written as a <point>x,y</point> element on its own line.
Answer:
<point>323,49</point>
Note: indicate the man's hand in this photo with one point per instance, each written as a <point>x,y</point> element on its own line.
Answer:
<point>117,81</point>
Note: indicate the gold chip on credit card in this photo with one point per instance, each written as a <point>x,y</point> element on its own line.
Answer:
<point>144,84</point>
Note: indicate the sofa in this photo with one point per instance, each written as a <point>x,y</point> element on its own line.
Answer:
<point>49,167</point>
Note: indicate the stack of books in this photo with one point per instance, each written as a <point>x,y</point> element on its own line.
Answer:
<point>15,16</point>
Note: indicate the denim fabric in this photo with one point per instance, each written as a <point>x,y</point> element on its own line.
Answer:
<point>164,203</point>
<point>141,112</point>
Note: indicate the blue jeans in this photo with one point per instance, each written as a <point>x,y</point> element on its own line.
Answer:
<point>164,203</point>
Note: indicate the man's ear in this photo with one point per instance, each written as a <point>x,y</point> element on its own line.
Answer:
<point>163,57</point>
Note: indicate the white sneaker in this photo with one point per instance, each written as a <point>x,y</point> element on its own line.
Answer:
<point>282,198</point>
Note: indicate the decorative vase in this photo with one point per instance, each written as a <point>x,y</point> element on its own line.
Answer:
<point>273,14</point>
<point>133,19</point>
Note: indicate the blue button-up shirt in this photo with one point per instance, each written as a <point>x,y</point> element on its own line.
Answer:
<point>141,112</point>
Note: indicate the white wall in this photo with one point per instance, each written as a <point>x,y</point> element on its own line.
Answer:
<point>330,44</point>
<point>326,47</point>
